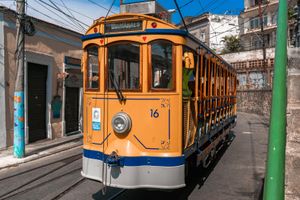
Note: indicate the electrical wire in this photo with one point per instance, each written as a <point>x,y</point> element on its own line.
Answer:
<point>53,7</point>
<point>186,4</point>
<point>93,2</point>
<point>207,6</point>
<point>75,11</point>
<point>68,11</point>
<point>48,16</point>
<point>71,17</point>
<point>239,24</point>
<point>56,14</point>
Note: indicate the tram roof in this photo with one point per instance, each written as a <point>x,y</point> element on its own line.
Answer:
<point>97,30</point>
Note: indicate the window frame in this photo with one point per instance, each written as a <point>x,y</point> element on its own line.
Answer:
<point>150,69</point>
<point>106,83</point>
<point>86,88</point>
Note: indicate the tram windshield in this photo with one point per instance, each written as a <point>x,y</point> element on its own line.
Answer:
<point>162,64</point>
<point>124,66</point>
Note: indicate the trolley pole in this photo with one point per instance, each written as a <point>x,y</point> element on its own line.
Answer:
<point>275,169</point>
<point>19,133</point>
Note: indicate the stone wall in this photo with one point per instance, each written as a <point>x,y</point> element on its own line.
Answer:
<point>293,127</point>
<point>254,89</point>
<point>255,101</point>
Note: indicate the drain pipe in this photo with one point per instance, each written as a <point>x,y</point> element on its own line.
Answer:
<point>275,170</point>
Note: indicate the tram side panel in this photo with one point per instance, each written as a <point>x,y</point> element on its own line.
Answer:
<point>215,113</point>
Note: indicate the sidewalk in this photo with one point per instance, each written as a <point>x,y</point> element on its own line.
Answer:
<point>38,150</point>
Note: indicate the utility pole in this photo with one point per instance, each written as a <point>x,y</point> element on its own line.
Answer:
<point>262,37</point>
<point>275,169</point>
<point>19,132</point>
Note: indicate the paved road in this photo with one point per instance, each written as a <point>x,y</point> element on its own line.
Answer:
<point>236,174</point>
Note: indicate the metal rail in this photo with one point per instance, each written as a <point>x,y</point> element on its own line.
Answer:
<point>16,191</point>
<point>71,187</point>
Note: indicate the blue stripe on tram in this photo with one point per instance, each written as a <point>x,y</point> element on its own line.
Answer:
<point>140,160</point>
<point>146,32</point>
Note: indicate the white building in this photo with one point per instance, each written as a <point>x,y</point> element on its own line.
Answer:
<point>212,28</point>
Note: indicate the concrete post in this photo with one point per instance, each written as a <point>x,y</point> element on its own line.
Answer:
<point>19,131</point>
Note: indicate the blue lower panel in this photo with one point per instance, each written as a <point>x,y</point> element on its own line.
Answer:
<point>138,161</point>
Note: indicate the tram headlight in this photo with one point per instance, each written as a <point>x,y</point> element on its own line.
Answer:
<point>121,123</point>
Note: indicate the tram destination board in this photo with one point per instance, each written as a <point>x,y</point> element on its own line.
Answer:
<point>123,26</point>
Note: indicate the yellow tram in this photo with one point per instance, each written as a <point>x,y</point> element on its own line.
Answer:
<point>154,95</point>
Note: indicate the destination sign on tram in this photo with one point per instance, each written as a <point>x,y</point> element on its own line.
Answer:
<point>123,26</point>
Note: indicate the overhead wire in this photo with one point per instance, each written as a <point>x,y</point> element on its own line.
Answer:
<point>71,17</point>
<point>69,12</point>
<point>239,24</point>
<point>206,6</point>
<point>56,14</point>
<point>186,4</point>
<point>64,22</point>
<point>216,7</point>
<point>48,16</point>
<point>75,11</point>
<point>62,12</point>
<point>99,5</point>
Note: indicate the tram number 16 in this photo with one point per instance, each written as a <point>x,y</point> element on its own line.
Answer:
<point>154,113</point>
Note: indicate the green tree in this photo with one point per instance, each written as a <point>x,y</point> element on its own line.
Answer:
<point>232,44</point>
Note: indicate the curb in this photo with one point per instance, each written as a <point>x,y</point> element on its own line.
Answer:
<point>44,152</point>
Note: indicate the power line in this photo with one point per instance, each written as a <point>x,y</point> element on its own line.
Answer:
<point>206,6</point>
<point>93,2</point>
<point>216,7</point>
<point>75,11</point>
<point>239,24</point>
<point>61,22</point>
<point>53,7</point>
<point>71,17</point>
<point>48,16</point>
<point>186,4</point>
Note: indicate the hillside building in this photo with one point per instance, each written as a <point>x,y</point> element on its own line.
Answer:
<point>212,28</point>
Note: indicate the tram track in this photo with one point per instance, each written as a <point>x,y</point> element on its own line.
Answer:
<point>39,182</point>
<point>109,196</point>
<point>78,155</point>
<point>18,190</point>
<point>69,188</point>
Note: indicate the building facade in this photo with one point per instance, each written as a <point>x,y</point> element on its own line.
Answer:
<point>251,36</point>
<point>212,28</point>
<point>52,82</point>
<point>255,72</point>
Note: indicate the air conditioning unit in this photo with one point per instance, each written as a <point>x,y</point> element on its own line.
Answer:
<point>146,7</point>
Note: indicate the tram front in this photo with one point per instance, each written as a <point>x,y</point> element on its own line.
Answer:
<point>132,103</point>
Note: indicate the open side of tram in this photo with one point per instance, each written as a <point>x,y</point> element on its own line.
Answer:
<point>153,96</point>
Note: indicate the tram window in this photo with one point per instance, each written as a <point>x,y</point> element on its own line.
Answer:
<point>92,68</point>
<point>188,76</point>
<point>162,62</point>
<point>124,66</point>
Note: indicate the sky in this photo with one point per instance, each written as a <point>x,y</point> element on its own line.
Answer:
<point>85,11</point>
